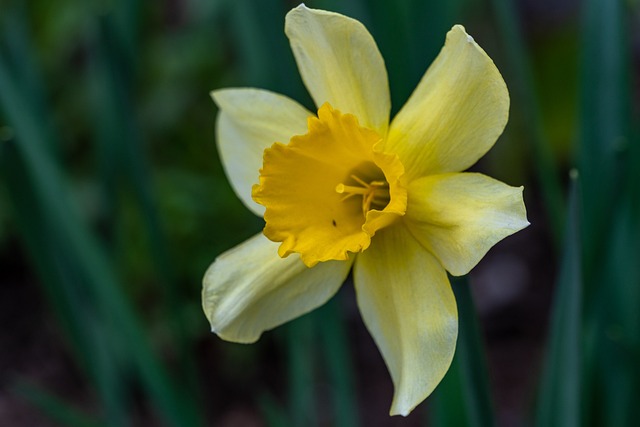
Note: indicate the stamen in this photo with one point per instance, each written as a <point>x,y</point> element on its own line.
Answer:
<point>375,194</point>
<point>359,181</point>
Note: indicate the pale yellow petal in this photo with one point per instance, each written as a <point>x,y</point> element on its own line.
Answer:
<point>456,113</point>
<point>249,121</point>
<point>408,306</point>
<point>460,216</point>
<point>340,64</point>
<point>250,289</point>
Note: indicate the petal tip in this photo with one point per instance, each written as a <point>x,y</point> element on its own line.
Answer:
<point>301,8</point>
<point>459,27</point>
<point>460,31</point>
<point>397,409</point>
<point>222,96</point>
<point>403,407</point>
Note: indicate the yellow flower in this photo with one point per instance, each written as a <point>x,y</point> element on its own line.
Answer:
<point>347,190</point>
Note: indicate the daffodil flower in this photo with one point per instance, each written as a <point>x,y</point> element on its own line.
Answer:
<point>345,190</point>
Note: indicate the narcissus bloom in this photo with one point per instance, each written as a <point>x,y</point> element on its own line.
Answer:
<point>345,190</point>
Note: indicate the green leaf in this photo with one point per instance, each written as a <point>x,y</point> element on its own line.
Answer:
<point>559,393</point>
<point>75,271</point>
<point>123,164</point>
<point>301,363</point>
<point>610,223</point>
<point>604,124</point>
<point>335,344</point>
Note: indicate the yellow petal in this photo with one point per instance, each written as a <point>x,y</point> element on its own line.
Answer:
<point>456,113</point>
<point>340,64</point>
<point>306,187</point>
<point>250,289</point>
<point>249,121</point>
<point>460,216</point>
<point>408,306</point>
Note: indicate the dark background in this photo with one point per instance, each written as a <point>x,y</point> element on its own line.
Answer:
<point>113,203</point>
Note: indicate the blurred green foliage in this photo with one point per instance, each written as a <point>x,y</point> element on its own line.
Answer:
<point>111,183</point>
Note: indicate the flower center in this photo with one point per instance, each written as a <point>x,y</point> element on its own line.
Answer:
<point>374,189</point>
